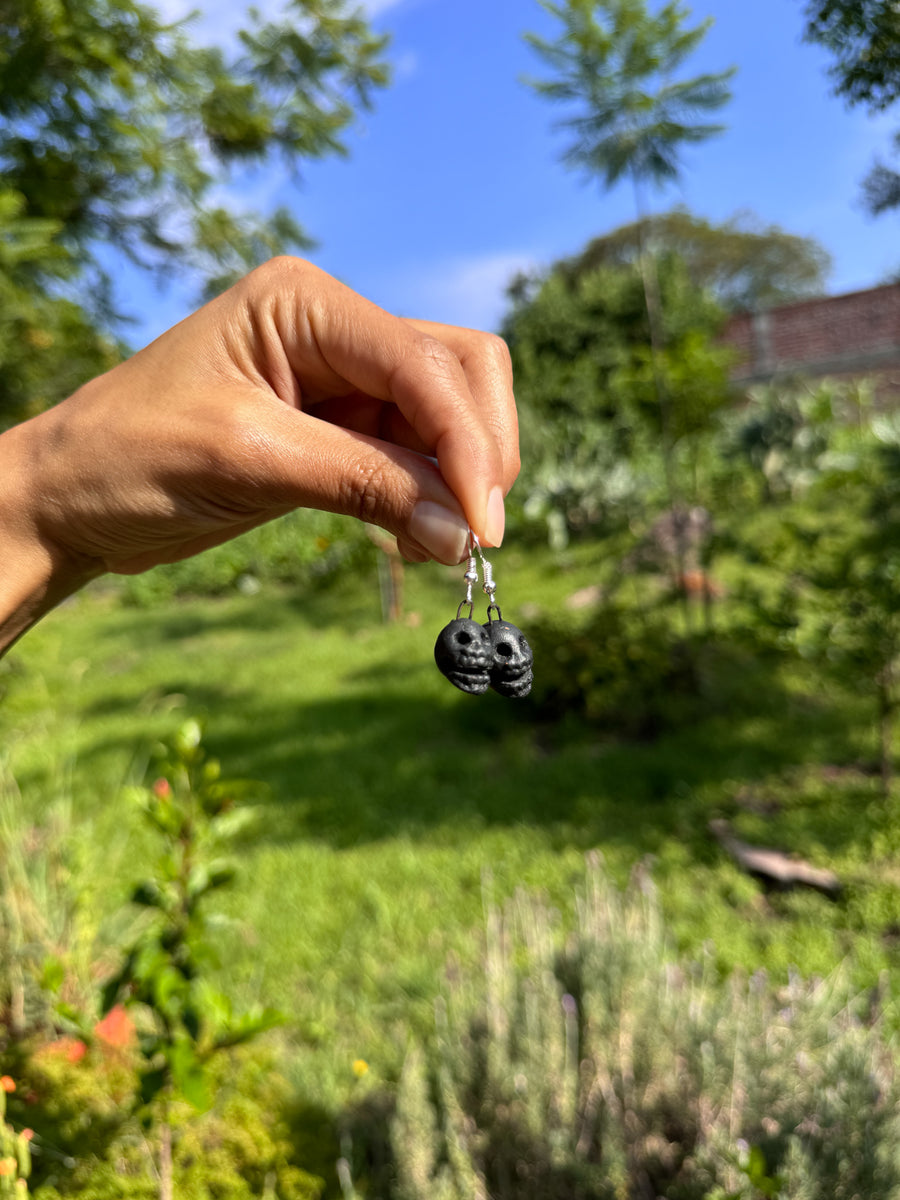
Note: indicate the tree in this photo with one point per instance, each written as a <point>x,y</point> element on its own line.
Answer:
<point>117,130</point>
<point>615,66</point>
<point>745,265</point>
<point>607,62</point>
<point>118,126</point>
<point>587,388</point>
<point>864,37</point>
<point>48,342</point>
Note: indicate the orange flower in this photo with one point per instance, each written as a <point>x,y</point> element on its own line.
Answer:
<point>116,1028</point>
<point>71,1049</point>
<point>161,789</point>
<point>8,1166</point>
<point>7,1083</point>
<point>75,1050</point>
<point>26,1135</point>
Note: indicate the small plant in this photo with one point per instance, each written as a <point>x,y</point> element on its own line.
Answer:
<point>181,1021</point>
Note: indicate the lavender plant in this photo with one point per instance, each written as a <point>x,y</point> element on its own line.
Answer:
<point>590,1065</point>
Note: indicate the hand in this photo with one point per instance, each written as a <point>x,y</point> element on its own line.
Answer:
<point>287,391</point>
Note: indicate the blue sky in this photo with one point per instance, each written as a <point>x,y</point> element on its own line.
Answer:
<point>453,182</point>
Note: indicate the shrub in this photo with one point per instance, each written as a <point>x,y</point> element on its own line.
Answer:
<point>589,1065</point>
<point>239,1150</point>
<point>620,667</point>
<point>299,548</point>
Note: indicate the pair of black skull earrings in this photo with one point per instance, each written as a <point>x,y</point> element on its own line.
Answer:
<point>477,657</point>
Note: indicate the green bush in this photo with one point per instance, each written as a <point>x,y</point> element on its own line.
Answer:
<point>240,1150</point>
<point>619,667</point>
<point>299,548</point>
<point>589,1064</point>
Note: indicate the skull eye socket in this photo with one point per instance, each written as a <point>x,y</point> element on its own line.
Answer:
<point>463,638</point>
<point>504,649</point>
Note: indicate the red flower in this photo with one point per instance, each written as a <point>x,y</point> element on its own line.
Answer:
<point>26,1135</point>
<point>116,1028</point>
<point>161,789</point>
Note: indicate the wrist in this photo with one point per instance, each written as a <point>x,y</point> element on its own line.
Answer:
<point>35,573</point>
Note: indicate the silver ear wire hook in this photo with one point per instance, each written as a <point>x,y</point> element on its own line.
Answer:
<point>470,577</point>
<point>489,587</point>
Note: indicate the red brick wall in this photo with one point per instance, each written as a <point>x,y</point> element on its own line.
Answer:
<point>852,336</point>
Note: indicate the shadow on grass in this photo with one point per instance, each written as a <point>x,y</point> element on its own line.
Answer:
<point>407,758</point>
<point>320,604</point>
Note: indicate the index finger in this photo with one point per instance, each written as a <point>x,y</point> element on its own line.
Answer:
<point>485,359</point>
<point>333,337</point>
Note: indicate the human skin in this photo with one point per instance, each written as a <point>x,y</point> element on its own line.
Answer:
<point>289,390</point>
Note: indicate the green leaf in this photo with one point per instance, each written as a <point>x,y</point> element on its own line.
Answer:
<point>150,895</point>
<point>234,822</point>
<point>112,989</point>
<point>249,1026</point>
<point>53,975</point>
<point>187,740</point>
<point>188,1073</point>
<point>206,877</point>
<point>152,1083</point>
<point>168,990</point>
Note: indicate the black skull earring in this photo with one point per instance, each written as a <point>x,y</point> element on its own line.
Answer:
<point>475,657</point>
<point>464,654</point>
<point>512,660</point>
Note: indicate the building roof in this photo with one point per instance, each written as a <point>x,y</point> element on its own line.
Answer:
<point>852,336</point>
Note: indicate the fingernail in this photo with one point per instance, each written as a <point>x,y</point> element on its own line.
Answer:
<point>495,519</point>
<point>443,533</point>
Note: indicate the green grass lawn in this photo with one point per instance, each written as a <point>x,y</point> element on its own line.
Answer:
<point>395,804</point>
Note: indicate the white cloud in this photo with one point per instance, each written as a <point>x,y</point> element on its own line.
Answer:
<point>467,291</point>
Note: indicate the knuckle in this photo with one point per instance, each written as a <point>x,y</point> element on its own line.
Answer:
<point>437,357</point>
<point>282,274</point>
<point>233,448</point>
<point>365,488</point>
<point>497,353</point>
<point>283,266</point>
